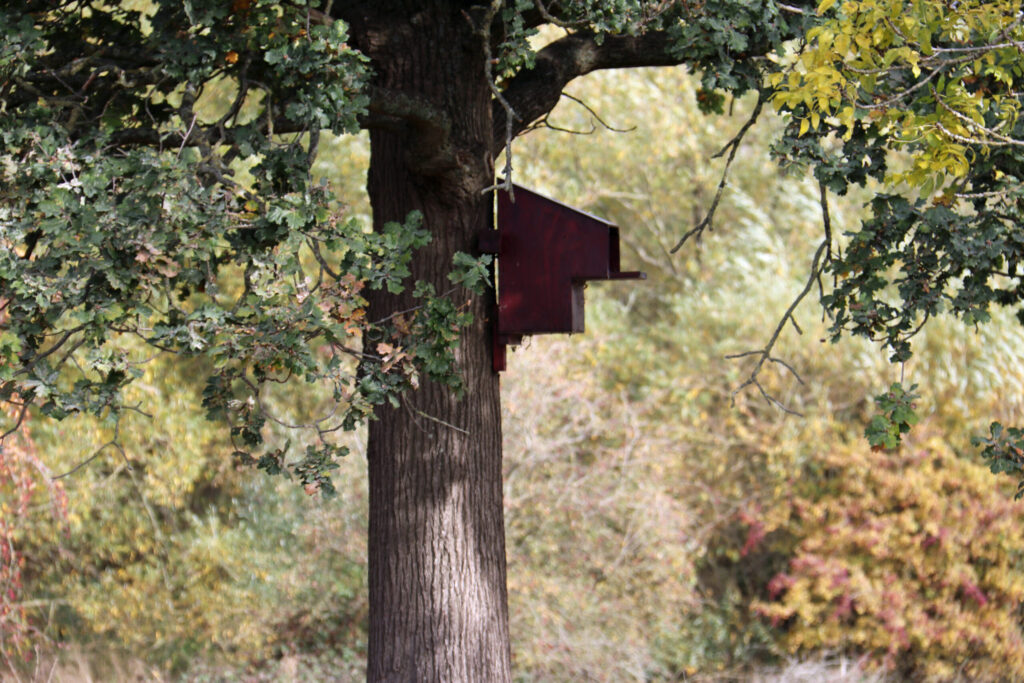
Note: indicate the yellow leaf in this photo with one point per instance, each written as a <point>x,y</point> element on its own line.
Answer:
<point>842,44</point>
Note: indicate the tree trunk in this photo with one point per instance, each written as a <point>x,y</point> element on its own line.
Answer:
<point>438,604</point>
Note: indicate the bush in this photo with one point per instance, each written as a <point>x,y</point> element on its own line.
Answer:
<point>913,556</point>
<point>171,553</point>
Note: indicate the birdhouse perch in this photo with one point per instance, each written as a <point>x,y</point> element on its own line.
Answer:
<point>546,251</point>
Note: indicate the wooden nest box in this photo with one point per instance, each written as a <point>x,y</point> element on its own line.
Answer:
<point>546,252</point>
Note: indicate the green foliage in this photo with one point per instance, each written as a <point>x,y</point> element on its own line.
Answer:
<point>924,96</point>
<point>937,78</point>
<point>515,52</point>
<point>895,418</point>
<point>168,207</point>
<point>1004,449</point>
<point>717,38</point>
<point>471,272</point>
<point>615,16</point>
<point>909,262</point>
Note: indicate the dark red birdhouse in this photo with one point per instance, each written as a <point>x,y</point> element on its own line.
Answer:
<point>546,252</point>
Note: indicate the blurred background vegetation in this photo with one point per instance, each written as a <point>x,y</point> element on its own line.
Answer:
<point>660,527</point>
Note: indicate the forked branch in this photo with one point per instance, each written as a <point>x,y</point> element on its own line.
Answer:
<point>821,258</point>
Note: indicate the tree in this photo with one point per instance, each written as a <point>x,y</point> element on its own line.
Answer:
<point>937,83</point>
<point>155,165</point>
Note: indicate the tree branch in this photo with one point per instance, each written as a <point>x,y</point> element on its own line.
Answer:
<point>534,92</point>
<point>822,256</point>
<point>733,145</point>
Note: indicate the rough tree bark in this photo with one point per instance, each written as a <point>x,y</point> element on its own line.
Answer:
<point>438,606</point>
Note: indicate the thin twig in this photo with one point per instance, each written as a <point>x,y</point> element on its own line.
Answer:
<point>593,113</point>
<point>312,426</point>
<point>545,122</point>
<point>157,531</point>
<point>733,145</point>
<point>410,310</point>
<point>91,458</point>
<point>821,256</point>
<point>315,248</point>
<point>551,19</point>
<point>970,123</point>
<point>773,359</point>
<point>441,422</point>
<point>433,419</point>
<point>17,423</point>
<point>188,133</point>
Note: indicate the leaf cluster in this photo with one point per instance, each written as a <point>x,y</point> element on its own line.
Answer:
<point>718,38</point>
<point>1004,451</point>
<point>880,85</point>
<point>156,186</point>
<point>895,417</point>
<point>924,99</point>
